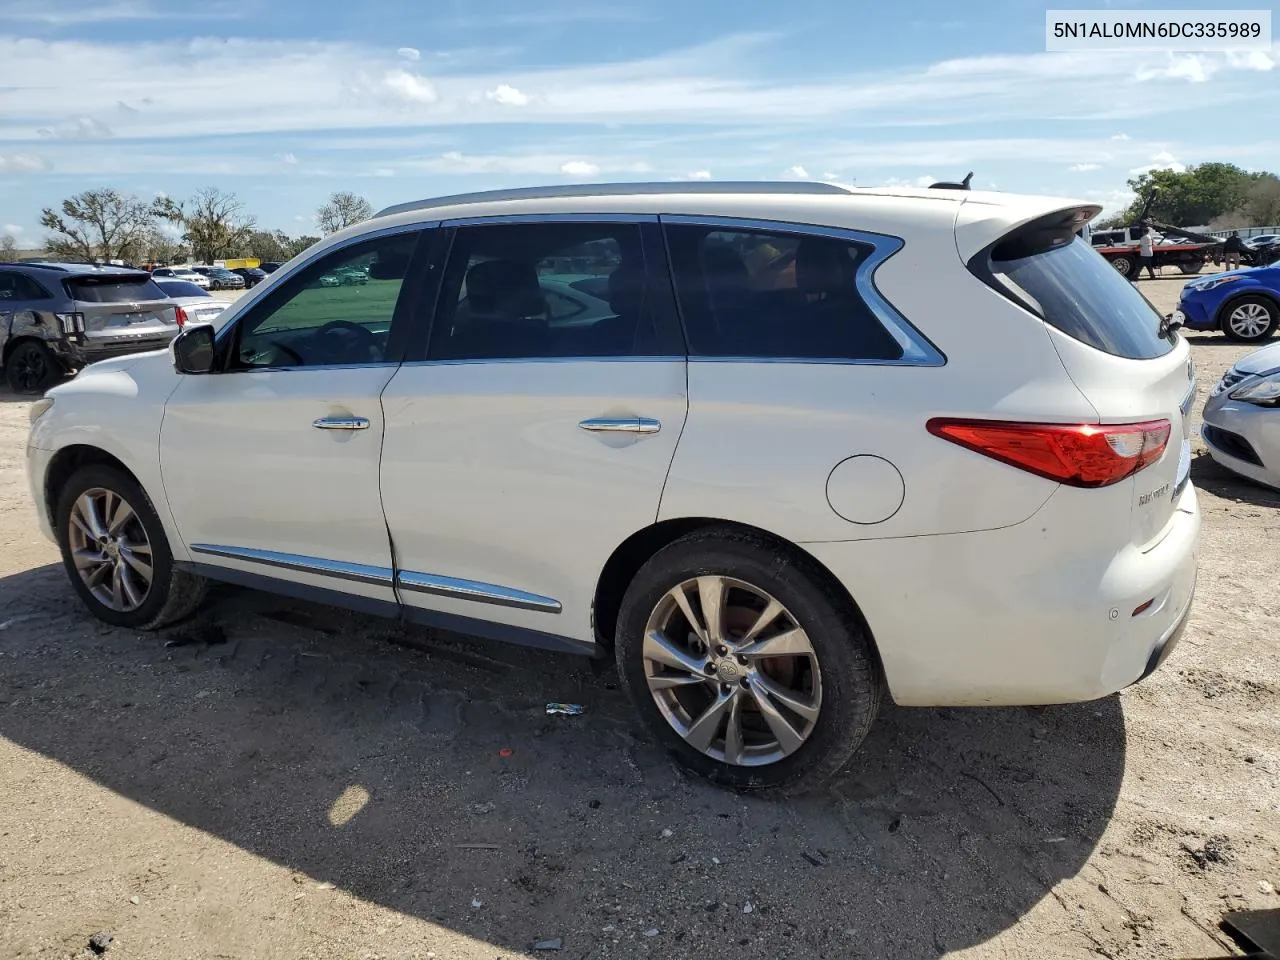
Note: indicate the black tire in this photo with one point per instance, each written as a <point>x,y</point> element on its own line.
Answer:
<point>1190,268</point>
<point>1127,267</point>
<point>173,595</point>
<point>1267,305</point>
<point>31,368</point>
<point>851,679</point>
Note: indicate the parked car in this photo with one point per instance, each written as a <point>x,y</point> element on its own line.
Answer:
<point>1244,304</point>
<point>220,278</point>
<point>1242,417</point>
<point>56,318</point>
<point>196,304</point>
<point>780,479</point>
<point>182,273</point>
<point>1262,240</point>
<point>270,266</point>
<point>252,276</point>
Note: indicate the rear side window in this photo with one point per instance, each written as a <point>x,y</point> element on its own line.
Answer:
<point>765,295</point>
<point>1074,289</point>
<point>113,290</point>
<point>14,286</point>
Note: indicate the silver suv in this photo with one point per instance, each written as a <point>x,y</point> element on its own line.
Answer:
<point>56,318</point>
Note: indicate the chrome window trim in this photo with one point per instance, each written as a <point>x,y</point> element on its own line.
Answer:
<point>357,572</point>
<point>474,590</point>
<point>251,298</point>
<point>917,349</point>
<point>674,358</point>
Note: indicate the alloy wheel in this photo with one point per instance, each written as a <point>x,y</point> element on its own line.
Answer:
<point>732,671</point>
<point>111,550</point>
<point>30,370</point>
<point>1249,321</point>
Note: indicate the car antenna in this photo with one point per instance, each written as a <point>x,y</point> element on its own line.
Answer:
<point>948,185</point>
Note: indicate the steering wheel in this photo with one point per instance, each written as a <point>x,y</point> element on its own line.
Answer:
<point>356,337</point>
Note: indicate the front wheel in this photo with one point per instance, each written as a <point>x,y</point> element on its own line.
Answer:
<point>1190,268</point>
<point>744,665</point>
<point>1125,266</point>
<point>31,368</point>
<point>1249,319</point>
<point>116,554</point>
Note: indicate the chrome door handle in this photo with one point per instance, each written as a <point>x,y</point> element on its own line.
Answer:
<point>341,423</point>
<point>620,425</point>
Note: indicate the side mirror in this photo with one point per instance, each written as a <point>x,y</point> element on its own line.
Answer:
<point>192,350</point>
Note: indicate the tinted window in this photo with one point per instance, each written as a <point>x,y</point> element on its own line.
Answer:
<point>514,291</point>
<point>774,295</point>
<point>14,286</point>
<point>1077,291</point>
<point>181,288</point>
<point>107,289</point>
<point>336,311</point>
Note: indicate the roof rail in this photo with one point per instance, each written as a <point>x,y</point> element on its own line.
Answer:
<point>617,190</point>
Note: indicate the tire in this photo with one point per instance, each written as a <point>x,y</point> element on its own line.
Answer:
<point>171,595</point>
<point>1125,266</point>
<point>842,697</point>
<point>1248,319</point>
<point>31,368</point>
<point>1190,268</point>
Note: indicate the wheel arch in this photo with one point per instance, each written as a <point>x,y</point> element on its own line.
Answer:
<point>1262,293</point>
<point>64,464</point>
<point>630,555</point>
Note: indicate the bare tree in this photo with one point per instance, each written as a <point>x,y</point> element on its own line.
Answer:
<point>344,209</point>
<point>98,224</point>
<point>7,246</point>
<point>214,223</point>
<point>1262,206</point>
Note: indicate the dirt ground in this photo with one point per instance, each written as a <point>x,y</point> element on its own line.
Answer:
<point>283,780</point>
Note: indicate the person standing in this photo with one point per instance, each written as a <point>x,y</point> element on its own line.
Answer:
<point>1231,250</point>
<point>1147,253</point>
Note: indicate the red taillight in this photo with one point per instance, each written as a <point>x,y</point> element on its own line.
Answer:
<point>1077,454</point>
<point>181,315</point>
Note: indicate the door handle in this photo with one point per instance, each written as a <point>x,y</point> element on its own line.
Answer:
<point>621,425</point>
<point>341,423</point>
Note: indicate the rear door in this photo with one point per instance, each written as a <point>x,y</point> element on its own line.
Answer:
<point>522,447</point>
<point>122,312</point>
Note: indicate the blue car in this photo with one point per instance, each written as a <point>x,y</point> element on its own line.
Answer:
<point>1243,304</point>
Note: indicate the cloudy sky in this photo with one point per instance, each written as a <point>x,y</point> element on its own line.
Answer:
<point>286,101</point>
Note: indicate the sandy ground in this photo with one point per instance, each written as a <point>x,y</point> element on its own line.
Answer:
<point>281,780</point>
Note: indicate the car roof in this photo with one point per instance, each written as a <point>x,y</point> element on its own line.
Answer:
<point>78,269</point>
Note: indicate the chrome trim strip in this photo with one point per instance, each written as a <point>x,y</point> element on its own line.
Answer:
<point>360,573</point>
<point>474,590</point>
<point>239,307</point>
<point>471,362</point>
<point>496,218</point>
<point>917,350</point>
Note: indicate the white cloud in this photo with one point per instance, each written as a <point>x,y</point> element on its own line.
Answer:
<point>1120,136</point>
<point>913,183</point>
<point>23,163</point>
<point>579,168</point>
<point>696,175</point>
<point>507,95</point>
<point>409,53</point>
<point>79,128</point>
<point>12,229</point>
<point>830,175</point>
<point>410,86</point>
<point>288,158</point>
<point>384,172</point>
<point>61,12</point>
<point>1164,160</point>
<point>1084,167</point>
<point>799,172</point>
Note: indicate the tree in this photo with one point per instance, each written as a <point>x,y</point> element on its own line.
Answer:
<point>99,224</point>
<point>1262,205</point>
<point>298,244</point>
<point>214,224</point>
<point>1192,197</point>
<point>343,210</point>
<point>7,246</point>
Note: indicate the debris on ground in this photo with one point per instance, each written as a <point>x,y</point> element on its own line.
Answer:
<point>553,944</point>
<point>1215,850</point>
<point>651,932</point>
<point>566,709</point>
<point>487,807</point>
<point>99,942</point>
<point>476,903</point>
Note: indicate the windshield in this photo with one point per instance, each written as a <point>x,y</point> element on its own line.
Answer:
<point>1080,293</point>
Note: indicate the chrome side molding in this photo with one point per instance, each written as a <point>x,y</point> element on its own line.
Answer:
<point>474,590</point>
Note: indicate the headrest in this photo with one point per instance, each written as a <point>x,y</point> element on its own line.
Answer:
<point>823,266</point>
<point>507,285</point>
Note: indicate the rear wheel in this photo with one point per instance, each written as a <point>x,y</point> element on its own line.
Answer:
<point>1125,266</point>
<point>116,554</point>
<point>1191,267</point>
<point>31,368</point>
<point>746,668</point>
<point>1249,319</point>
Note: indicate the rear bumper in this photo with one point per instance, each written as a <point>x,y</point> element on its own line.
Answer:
<point>1031,614</point>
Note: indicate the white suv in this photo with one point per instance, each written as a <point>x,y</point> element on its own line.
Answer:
<point>824,443</point>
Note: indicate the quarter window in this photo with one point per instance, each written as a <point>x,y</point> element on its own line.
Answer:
<point>759,294</point>
<point>14,286</point>
<point>338,310</point>
<point>543,290</point>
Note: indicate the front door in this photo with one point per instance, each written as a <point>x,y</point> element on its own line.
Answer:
<point>534,434</point>
<point>271,465</point>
